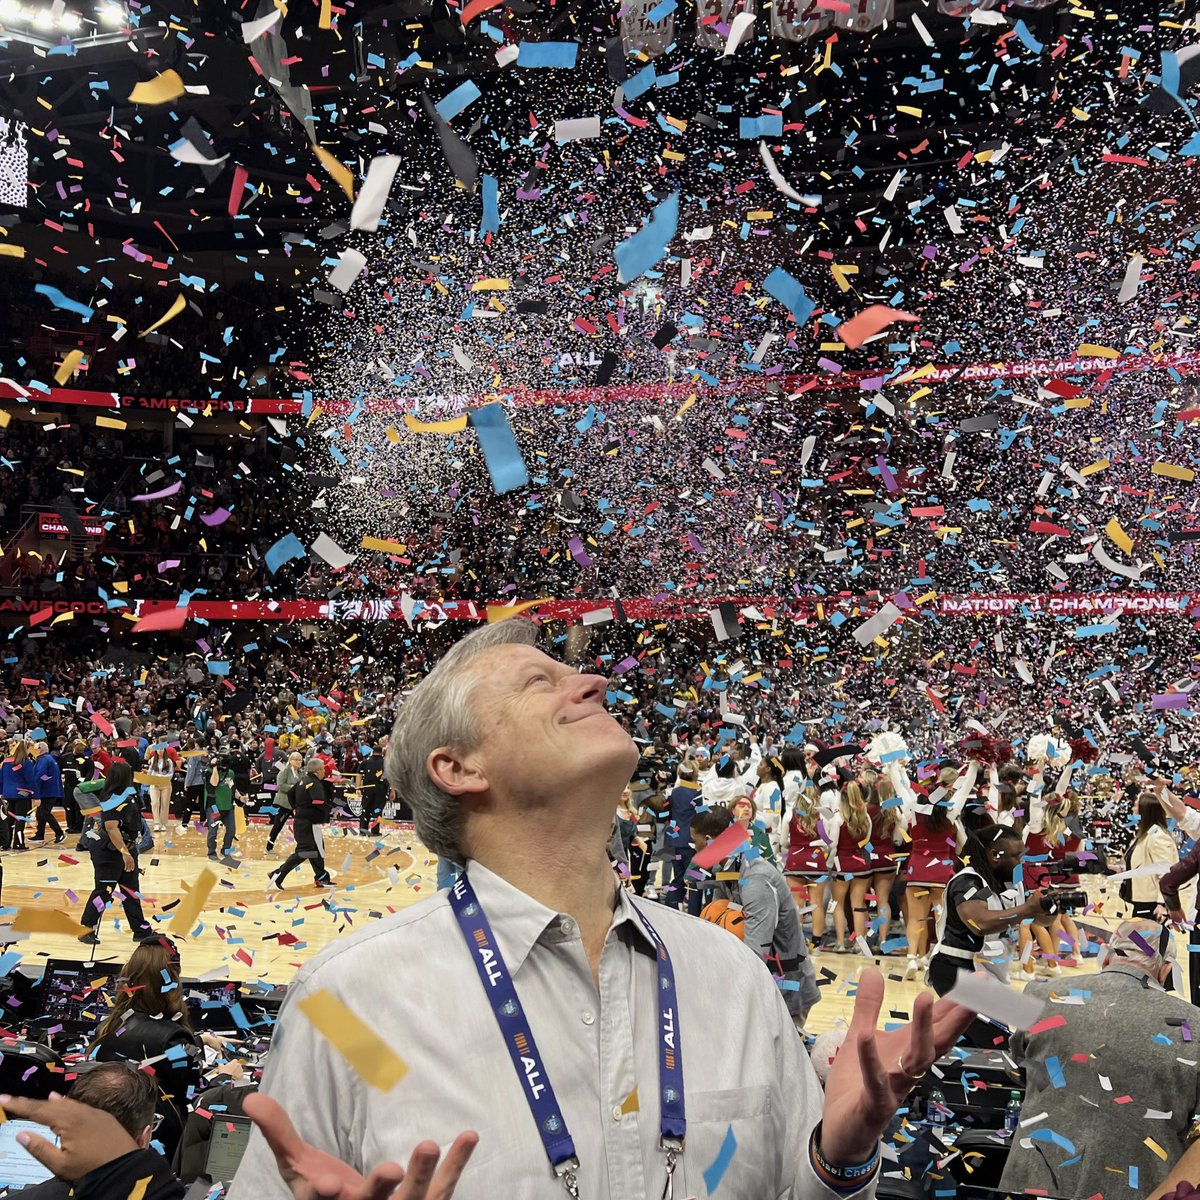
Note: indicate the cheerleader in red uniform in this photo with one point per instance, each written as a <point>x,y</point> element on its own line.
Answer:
<point>805,866</point>
<point>935,841</point>
<point>1049,839</point>
<point>883,808</point>
<point>848,835</point>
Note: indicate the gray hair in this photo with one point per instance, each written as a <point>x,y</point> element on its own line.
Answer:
<point>312,765</point>
<point>1132,939</point>
<point>437,712</point>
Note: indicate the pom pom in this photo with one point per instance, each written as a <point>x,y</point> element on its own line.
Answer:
<point>1042,748</point>
<point>983,748</point>
<point>883,744</point>
<point>1083,751</point>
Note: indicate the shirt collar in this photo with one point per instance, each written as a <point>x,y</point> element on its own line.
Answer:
<point>518,921</point>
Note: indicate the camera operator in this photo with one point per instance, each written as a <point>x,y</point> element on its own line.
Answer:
<point>978,914</point>
<point>220,796</point>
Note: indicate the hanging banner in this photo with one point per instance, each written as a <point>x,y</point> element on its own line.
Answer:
<point>799,20</point>
<point>52,525</point>
<point>1044,370</point>
<point>713,19</point>
<point>639,34</point>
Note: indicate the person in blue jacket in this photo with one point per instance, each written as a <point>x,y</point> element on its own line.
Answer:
<point>48,776</point>
<point>18,789</point>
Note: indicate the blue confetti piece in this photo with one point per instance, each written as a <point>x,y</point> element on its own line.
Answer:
<point>1055,1139</point>
<point>715,1173</point>
<point>661,11</point>
<point>451,105</point>
<point>637,254</point>
<point>217,667</point>
<point>1027,39</point>
<point>547,54</point>
<point>768,125</point>
<point>8,960</point>
<point>1055,1071</point>
<point>491,205</point>
<point>287,548</point>
<point>790,292</point>
<point>64,302</point>
<point>500,450</point>
<point>635,85</point>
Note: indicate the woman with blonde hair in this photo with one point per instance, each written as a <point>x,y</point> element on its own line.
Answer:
<point>886,838</point>
<point>848,834</point>
<point>1049,838</point>
<point>805,862</point>
<point>935,841</point>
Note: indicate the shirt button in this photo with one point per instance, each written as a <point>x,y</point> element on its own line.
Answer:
<point>587,1016</point>
<point>616,1112</point>
<point>567,925</point>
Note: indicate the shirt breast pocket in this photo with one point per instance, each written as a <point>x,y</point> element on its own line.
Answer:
<point>753,1168</point>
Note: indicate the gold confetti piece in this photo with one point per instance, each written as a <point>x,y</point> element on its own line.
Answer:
<point>393,435</point>
<point>1087,350</point>
<point>1118,536</point>
<point>138,1191</point>
<point>1171,471</point>
<point>1078,402</point>
<point>177,306</point>
<point>1101,464</point>
<point>685,406</point>
<point>67,367</point>
<point>490,285</point>
<point>453,425</point>
<point>375,1062</point>
<point>1154,1146</point>
<point>383,545</point>
<point>111,423</point>
<point>4,419</point>
<point>192,904</point>
<point>910,110</point>
<point>842,273</point>
<point>325,19</point>
<point>46,920</point>
<point>630,1104</point>
<point>12,251</point>
<point>162,89</point>
<point>501,612</point>
<point>338,173</point>
<point>151,780</point>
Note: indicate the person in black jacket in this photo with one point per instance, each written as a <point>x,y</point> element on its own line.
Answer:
<point>374,792</point>
<point>313,801</point>
<point>120,1090</point>
<point>114,854</point>
<point>149,1021</point>
<point>100,1158</point>
<point>76,766</point>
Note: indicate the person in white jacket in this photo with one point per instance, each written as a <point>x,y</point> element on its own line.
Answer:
<point>1152,847</point>
<point>731,779</point>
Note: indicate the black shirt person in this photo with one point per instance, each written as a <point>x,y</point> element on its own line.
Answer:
<point>114,854</point>
<point>977,912</point>
<point>313,799</point>
<point>374,792</point>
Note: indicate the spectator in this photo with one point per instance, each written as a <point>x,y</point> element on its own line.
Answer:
<point>1123,1035</point>
<point>313,798</point>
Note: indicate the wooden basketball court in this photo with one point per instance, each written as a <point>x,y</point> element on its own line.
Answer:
<point>244,932</point>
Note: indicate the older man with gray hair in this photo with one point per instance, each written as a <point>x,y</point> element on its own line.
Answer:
<point>586,1041</point>
<point>1112,1075</point>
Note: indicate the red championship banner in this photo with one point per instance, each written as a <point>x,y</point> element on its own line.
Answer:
<point>751,610</point>
<point>52,525</point>
<point>1050,372</point>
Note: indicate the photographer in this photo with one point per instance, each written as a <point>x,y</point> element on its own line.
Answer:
<point>977,917</point>
<point>220,795</point>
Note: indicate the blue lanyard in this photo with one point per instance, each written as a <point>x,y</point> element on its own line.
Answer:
<point>527,1059</point>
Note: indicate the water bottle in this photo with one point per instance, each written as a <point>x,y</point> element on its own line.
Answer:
<point>936,1110</point>
<point>1012,1114</point>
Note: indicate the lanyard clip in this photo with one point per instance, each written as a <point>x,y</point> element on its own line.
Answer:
<point>672,1147</point>
<point>567,1171</point>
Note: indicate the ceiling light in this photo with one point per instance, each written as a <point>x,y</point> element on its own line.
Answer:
<point>10,10</point>
<point>43,18</point>
<point>112,14</point>
<point>72,22</point>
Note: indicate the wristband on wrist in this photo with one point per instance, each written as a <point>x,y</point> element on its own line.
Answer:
<point>841,1179</point>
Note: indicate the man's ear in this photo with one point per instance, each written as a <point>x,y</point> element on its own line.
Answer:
<point>455,772</point>
<point>144,1138</point>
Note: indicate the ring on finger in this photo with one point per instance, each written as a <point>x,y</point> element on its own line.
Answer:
<point>905,1071</point>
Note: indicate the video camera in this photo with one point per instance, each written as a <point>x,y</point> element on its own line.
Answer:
<point>1067,899</point>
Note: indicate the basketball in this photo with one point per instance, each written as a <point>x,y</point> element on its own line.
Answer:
<point>727,915</point>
